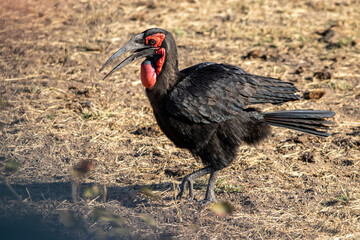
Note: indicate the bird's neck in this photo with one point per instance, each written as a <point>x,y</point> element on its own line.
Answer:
<point>167,78</point>
<point>166,81</point>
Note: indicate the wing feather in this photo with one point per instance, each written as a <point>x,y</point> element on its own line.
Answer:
<point>211,92</point>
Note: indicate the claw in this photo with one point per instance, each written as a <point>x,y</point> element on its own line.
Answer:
<point>183,184</point>
<point>208,199</point>
<point>179,196</point>
<point>205,202</point>
<point>189,180</point>
<point>182,190</point>
<point>210,193</point>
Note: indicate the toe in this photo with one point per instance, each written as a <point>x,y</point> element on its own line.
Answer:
<point>206,201</point>
<point>179,196</point>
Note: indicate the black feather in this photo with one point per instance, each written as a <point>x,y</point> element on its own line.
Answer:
<point>308,121</point>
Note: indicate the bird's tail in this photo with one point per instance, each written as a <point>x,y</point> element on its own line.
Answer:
<point>308,121</point>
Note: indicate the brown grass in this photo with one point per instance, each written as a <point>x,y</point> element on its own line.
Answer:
<point>55,111</point>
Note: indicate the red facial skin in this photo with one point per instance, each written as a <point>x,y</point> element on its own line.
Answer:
<point>148,73</point>
<point>158,37</point>
<point>160,62</point>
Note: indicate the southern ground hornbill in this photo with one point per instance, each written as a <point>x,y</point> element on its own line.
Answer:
<point>204,108</point>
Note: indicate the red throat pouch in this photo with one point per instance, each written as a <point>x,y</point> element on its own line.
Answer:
<point>148,74</point>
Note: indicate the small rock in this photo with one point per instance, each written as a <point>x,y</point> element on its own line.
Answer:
<point>308,157</point>
<point>322,75</point>
<point>146,131</point>
<point>254,54</point>
<point>314,94</point>
<point>301,139</point>
<point>347,163</point>
<point>327,35</point>
<point>299,70</point>
<point>152,4</point>
<point>309,190</point>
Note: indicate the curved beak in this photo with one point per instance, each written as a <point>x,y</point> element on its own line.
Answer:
<point>136,46</point>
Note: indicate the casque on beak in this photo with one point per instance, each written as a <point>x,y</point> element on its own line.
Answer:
<point>135,45</point>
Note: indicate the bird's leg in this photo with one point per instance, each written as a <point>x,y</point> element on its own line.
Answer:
<point>189,179</point>
<point>191,189</point>
<point>210,194</point>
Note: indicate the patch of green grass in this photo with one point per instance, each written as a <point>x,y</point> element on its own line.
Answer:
<point>258,44</point>
<point>200,184</point>
<point>221,186</point>
<point>268,40</point>
<point>179,32</point>
<point>344,42</point>
<point>89,115</point>
<point>11,166</point>
<point>343,198</point>
<point>339,85</point>
<point>303,39</point>
<point>110,115</point>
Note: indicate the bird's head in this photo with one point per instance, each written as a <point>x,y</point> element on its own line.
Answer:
<point>153,44</point>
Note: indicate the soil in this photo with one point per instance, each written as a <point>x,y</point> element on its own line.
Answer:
<point>87,160</point>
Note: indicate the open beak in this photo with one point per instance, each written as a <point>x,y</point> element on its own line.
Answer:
<point>138,49</point>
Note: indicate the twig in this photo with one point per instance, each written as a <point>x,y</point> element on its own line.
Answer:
<point>27,190</point>
<point>20,78</point>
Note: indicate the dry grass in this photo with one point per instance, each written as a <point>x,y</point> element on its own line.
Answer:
<point>55,111</point>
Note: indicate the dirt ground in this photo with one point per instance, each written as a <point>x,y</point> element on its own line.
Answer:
<point>57,112</point>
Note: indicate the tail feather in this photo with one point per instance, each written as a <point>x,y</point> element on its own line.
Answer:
<point>308,121</point>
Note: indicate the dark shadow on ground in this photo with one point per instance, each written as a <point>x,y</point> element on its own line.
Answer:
<point>20,220</point>
<point>128,196</point>
<point>32,226</point>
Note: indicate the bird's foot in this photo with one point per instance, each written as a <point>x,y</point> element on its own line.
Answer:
<point>209,197</point>
<point>179,196</point>
<point>182,189</point>
<point>206,201</point>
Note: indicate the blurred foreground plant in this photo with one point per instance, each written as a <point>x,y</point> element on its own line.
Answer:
<point>79,172</point>
<point>116,224</point>
<point>11,166</point>
<point>222,209</point>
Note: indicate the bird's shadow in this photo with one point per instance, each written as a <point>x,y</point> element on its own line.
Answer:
<point>128,196</point>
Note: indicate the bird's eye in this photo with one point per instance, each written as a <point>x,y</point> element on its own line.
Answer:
<point>152,41</point>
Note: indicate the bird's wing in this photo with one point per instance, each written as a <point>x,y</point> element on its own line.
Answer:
<point>272,90</point>
<point>212,92</point>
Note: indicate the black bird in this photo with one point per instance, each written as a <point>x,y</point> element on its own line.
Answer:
<point>204,108</point>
